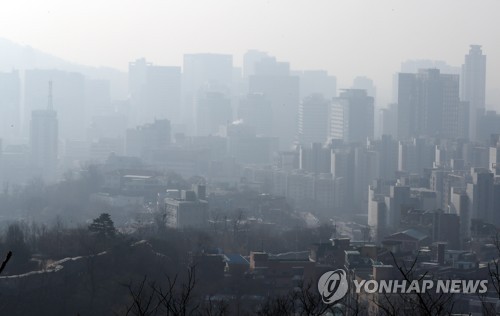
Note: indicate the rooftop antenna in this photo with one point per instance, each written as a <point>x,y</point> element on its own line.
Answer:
<point>50,105</point>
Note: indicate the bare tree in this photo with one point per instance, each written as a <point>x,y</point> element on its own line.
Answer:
<point>4,263</point>
<point>415,303</point>
<point>151,298</point>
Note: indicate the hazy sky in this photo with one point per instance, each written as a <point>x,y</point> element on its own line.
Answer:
<point>347,38</point>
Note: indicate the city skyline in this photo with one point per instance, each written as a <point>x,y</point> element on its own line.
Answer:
<point>334,39</point>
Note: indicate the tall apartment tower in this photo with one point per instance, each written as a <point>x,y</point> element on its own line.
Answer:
<point>429,105</point>
<point>474,85</point>
<point>44,140</point>
<point>352,116</point>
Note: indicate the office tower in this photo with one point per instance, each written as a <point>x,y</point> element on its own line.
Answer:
<point>460,204</point>
<point>429,105</point>
<point>366,170</point>
<point>69,99</point>
<point>389,120</point>
<point>480,193</point>
<point>200,71</point>
<point>388,151</point>
<point>300,188</point>
<point>377,213</point>
<point>251,58</point>
<point>315,158</point>
<point>352,116</point>
<point>494,161</point>
<point>313,119</point>
<point>446,228</point>
<point>324,193</point>
<point>437,184</point>
<point>488,123</point>
<point>273,79</point>
<point>317,82</point>
<point>397,201</point>
<point>474,85</point>
<point>213,111</point>
<point>155,92</point>
<point>255,110</point>
<point>342,169</point>
<point>10,106</point>
<point>413,66</point>
<point>44,140</point>
<point>415,155</point>
<point>365,83</point>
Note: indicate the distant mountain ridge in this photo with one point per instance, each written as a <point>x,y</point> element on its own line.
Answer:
<point>23,57</point>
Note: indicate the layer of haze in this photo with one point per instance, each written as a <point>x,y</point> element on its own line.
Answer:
<point>347,38</point>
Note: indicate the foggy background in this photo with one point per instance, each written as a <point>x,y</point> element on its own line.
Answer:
<point>347,38</point>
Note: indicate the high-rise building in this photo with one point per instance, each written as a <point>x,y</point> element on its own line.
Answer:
<point>389,120</point>
<point>213,111</point>
<point>273,79</point>
<point>10,93</point>
<point>255,110</point>
<point>488,123</point>
<point>429,105</point>
<point>313,120</point>
<point>415,155</point>
<point>315,158</point>
<point>204,73</point>
<point>397,201</point>
<point>317,81</point>
<point>352,116</point>
<point>44,140</point>
<point>460,204</point>
<point>365,83</point>
<point>251,58</point>
<point>388,151</point>
<point>474,85</point>
<point>155,92</point>
<point>480,193</point>
<point>69,99</point>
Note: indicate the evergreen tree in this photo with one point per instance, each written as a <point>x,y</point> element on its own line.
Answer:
<point>103,226</point>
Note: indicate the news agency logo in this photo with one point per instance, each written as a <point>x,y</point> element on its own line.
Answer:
<point>332,286</point>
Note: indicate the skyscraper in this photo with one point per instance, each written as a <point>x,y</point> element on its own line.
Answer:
<point>155,92</point>
<point>429,105</point>
<point>352,116</point>
<point>313,119</point>
<point>255,110</point>
<point>273,79</point>
<point>251,58</point>
<point>204,73</point>
<point>44,140</point>
<point>317,81</point>
<point>69,99</point>
<point>213,110</point>
<point>474,85</point>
